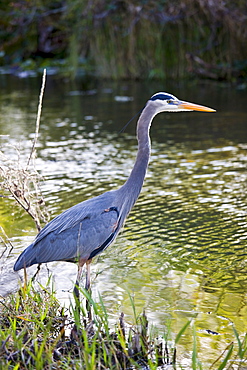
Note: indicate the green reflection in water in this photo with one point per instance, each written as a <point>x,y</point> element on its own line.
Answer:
<point>182,253</point>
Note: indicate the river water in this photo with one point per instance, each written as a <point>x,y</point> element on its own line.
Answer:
<point>182,253</point>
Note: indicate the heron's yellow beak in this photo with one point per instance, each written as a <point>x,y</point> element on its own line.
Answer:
<point>191,106</point>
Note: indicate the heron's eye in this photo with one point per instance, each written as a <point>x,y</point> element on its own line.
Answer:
<point>169,101</point>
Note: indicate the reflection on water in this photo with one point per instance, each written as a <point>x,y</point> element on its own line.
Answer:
<point>182,253</point>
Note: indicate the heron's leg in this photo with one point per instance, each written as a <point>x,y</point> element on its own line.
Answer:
<point>77,282</point>
<point>88,282</point>
<point>76,293</point>
<point>87,287</point>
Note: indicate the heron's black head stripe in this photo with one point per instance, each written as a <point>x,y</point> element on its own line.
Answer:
<point>162,97</point>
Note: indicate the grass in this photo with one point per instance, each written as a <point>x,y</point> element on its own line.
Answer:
<point>37,333</point>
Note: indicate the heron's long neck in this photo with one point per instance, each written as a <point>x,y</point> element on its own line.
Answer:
<point>134,183</point>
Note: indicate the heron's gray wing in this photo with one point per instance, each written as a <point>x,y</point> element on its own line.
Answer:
<point>72,216</point>
<point>81,231</point>
<point>88,237</point>
<point>66,220</point>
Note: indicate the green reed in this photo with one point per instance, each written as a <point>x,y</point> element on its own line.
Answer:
<point>37,333</point>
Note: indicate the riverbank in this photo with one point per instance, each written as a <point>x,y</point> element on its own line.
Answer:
<point>122,40</point>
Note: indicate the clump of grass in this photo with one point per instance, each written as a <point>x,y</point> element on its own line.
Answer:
<point>36,333</point>
<point>31,323</point>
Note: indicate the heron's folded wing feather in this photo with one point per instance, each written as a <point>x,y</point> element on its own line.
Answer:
<point>87,235</point>
<point>74,215</point>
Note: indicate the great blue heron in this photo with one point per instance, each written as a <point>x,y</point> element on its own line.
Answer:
<point>86,229</point>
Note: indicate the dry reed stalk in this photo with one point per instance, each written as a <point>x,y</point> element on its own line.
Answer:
<point>23,182</point>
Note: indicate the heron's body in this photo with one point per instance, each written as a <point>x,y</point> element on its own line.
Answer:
<point>79,233</point>
<point>86,229</point>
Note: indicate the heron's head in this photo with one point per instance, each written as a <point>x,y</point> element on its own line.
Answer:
<point>165,102</point>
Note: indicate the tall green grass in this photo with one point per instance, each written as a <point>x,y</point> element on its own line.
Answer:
<point>37,333</point>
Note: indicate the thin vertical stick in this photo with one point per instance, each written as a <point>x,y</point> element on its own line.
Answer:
<point>38,118</point>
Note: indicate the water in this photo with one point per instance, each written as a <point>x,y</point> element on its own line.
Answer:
<point>182,253</point>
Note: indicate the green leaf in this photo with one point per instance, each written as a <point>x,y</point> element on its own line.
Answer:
<point>180,333</point>
<point>228,355</point>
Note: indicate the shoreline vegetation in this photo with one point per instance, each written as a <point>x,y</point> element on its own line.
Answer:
<point>37,333</point>
<point>124,40</point>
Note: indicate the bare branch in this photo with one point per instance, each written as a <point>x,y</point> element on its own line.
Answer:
<point>23,182</point>
<point>38,119</point>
